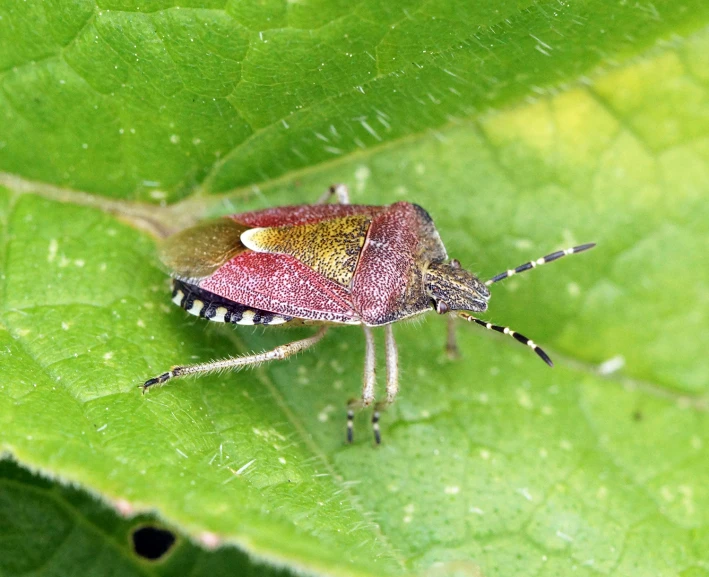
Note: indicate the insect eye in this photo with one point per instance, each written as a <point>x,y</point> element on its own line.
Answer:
<point>442,308</point>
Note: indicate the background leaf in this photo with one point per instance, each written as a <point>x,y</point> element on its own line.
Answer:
<point>521,127</point>
<point>49,529</point>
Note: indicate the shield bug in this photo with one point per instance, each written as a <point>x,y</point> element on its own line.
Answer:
<point>327,264</point>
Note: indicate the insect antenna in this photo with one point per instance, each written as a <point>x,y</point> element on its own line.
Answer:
<point>507,331</point>
<point>540,261</point>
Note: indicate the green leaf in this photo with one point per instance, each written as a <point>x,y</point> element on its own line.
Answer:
<point>151,100</point>
<point>522,127</point>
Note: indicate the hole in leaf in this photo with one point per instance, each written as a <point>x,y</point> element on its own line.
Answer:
<point>152,543</point>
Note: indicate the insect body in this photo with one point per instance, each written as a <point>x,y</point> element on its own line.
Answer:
<point>326,264</point>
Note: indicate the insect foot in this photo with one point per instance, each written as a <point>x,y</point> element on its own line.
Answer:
<point>379,408</point>
<point>375,427</point>
<point>376,415</point>
<point>350,421</point>
<point>159,380</point>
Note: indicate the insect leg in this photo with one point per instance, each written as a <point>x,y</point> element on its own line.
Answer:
<point>507,331</point>
<point>540,261</point>
<point>392,384</point>
<point>451,341</point>
<point>367,384</point>
<point>369,368</point>
<point>351,406</point>
<point>339,190</point>
<point>392,362</point>
<point>375,426</point>
<point>280,352</point>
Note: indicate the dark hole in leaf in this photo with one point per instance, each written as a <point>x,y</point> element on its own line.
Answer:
<point>152,542</point>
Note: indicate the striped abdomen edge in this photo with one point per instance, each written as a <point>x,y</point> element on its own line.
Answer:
<point>202,303</point>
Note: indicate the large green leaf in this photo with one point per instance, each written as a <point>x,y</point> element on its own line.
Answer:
<point>146,100</point>
<point>521,127</point>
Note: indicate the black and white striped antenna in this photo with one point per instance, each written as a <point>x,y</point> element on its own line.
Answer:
<point>540,261</point>
<point>508,273</point>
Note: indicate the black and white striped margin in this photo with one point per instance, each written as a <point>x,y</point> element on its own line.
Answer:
<point>508,331</point>
<point>540,261</point>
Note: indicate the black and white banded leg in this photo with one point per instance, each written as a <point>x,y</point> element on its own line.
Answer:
<point>540,261</point>
<point>352,404</point>
<point>369,379</point>
<point>279,353</point>
<point>392,385</point>
<point>340,191</point>
<point>507,331</point>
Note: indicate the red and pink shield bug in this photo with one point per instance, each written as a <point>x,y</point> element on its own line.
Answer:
<point>324,265</point>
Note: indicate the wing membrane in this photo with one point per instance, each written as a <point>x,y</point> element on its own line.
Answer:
<point>198,251</point>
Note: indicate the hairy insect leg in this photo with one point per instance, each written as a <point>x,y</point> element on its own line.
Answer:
<point>392,363</point>
<point>392,383</point>
<point>370,377</point>
<point>340,191</point>
<point>520,338</point>
<point>368,382</point>
<point>451,339</point>
<point>280,352</point>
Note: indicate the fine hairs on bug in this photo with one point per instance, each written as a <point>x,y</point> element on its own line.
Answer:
<point>324,265</point>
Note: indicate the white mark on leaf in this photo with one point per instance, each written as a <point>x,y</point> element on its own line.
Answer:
<point>53,247</point>
<point>564,536</point>
<point>612,365</point>
<point>362,174</point>
<point>524,399</point>
<point>525,493</point>
<point>243,468</point>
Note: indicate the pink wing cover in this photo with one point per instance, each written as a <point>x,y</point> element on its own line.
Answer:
<point>384,269</point>
<point>280,284</point>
